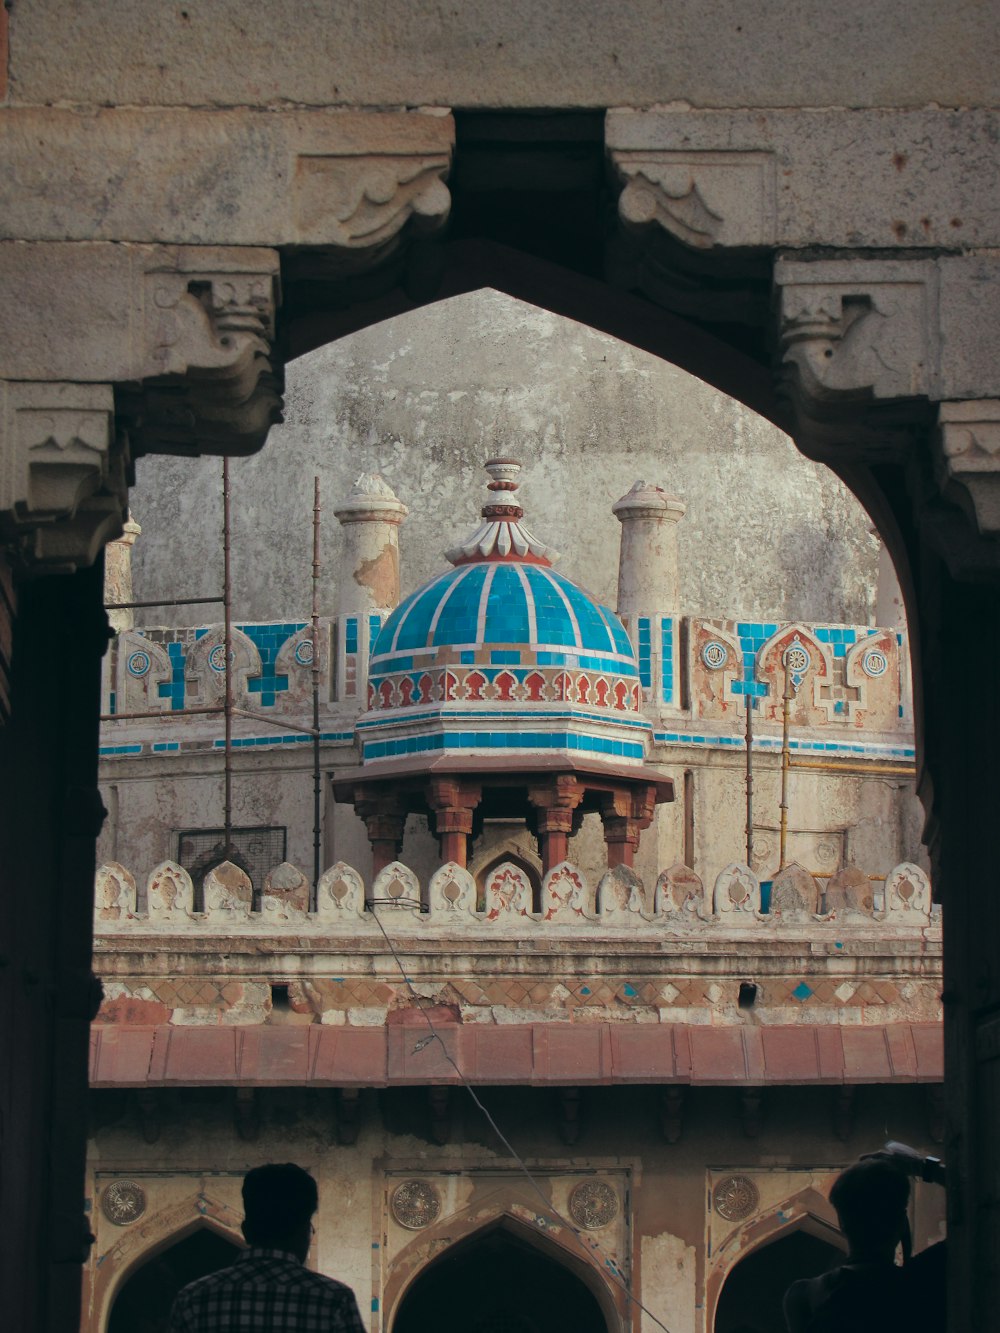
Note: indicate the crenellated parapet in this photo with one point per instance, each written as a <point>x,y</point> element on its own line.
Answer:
<point>504,901</point>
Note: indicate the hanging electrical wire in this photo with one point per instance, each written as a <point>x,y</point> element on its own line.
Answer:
<point>615,1272</point>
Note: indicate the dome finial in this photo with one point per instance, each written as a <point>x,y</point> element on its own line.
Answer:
<point>502,536</point>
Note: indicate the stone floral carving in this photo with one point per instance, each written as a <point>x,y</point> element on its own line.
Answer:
<point>507,893</point>
<point>123,1202</point>
<point>566,895</point>
<point>735,1198</point>
<point>593,1204</point>
<point>736,899</point>
<point>415,1204</point>
<point>114,894</point>
<point>169,893</point>
<point>340,894</point>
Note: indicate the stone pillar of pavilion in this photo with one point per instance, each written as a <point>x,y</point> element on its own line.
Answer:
<point>557,815</point>
<point>648,585</point>
<point>368,582</point>
<point>453,801</point>
<point>385,820</point>
<point>625,814</point>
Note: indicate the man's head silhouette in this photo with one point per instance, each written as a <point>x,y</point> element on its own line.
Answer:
<point>870,1198</point>
<point>279,1201</point>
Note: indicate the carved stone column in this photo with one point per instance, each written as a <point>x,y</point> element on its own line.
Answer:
<point>556,804</point>
<point>625,815</point>
<point>385,820</point>
<point>453,802</point>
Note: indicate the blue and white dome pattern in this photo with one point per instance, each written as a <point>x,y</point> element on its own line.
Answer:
<point>501,654</point>
<point>525,614</point>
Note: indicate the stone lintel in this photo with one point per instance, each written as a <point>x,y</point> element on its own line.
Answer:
<point>349,179</point>
<point>887,179</point>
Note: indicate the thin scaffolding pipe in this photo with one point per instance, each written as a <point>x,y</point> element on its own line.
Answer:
<point>317,784</point>
<point>749,778</point>
<point>164,601</point>
<point>166,716</point>
<point>786,759</point>
<point>227,606</point>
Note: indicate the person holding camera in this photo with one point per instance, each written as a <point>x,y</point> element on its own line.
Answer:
<point>870,1293</point>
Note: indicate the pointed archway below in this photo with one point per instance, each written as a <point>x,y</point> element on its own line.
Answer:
<point>751,1299</point>
<point>143,1302</point>
<point>496,1281</point>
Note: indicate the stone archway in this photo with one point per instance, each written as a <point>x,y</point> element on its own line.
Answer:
<point>142,1303</point>
<point>498,1281</point>
<point>751,1297</point>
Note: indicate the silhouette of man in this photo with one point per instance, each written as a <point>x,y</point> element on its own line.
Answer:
<point>268,1289</point>
<point>870,1293</point>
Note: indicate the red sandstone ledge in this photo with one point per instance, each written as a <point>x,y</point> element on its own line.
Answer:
<point>532,1053</point>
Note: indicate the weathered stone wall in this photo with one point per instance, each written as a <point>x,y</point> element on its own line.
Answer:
<point>507,55</point>
<point>426,398</point>
<point>671,1178</point>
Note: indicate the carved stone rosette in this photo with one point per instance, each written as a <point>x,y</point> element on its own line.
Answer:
<point>593,1204</point>
<point>735,1198</point>
<point>415,1204</point>
<point>123,1202</point>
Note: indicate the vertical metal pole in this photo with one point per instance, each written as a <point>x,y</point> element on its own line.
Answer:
<point>317,784</point>
<point>786,759</point>
<point>227,597</point>
<point>750,707</point>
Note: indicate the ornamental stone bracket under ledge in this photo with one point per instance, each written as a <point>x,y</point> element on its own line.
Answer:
<point>63,491</point>
<point>679,904</point>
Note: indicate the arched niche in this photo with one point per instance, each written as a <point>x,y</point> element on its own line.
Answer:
<point>751,1297</point>
<point>141,1246</point>
<point>765,1256</point>
<point>143,1301</point>
<point>503,1277</point>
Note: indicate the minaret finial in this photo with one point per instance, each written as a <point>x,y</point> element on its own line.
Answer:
<point>502,536</point>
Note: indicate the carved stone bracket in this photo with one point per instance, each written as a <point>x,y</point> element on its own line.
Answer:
<point>208,384</point>
<point>969,460</point>
<point>62,478</point>
<point>703,199</point>
<point>858,331</point>
<point>362,201</point>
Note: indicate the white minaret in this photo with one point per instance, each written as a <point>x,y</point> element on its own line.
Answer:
<point>118,575</point>
<point>368,586</point>
<point>648,586</point>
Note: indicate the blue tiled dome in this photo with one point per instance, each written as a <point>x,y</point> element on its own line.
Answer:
<point>501,655</point>
<point>517,612</point>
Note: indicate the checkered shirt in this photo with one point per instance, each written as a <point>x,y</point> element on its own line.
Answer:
<point>265,1291</point>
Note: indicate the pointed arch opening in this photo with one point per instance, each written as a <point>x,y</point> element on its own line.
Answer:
<point>751,1297</point>
<point>501,1280</point>
<point>143,1301</point>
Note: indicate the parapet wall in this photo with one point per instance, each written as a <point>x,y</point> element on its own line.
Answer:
<point>678,903</point>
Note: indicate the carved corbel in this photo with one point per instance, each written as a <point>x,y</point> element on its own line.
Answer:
<point>207,383</point>
<point>63,491</point>
<point>969,460</point>
<point>360,202</point>
<point>857,332</point>
<point>703,199</point>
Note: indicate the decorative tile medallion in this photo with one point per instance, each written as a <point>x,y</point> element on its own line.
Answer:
<point>735,1197</point>
<point>874,664</point>
<point>593,1204</point>
<point>217,657</point>
<point>715,655</point>
<point>304,652</point>
<point>123,1202</point>
<point>415,1204</point>
<point>138,663</point>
